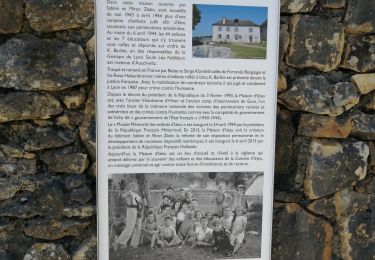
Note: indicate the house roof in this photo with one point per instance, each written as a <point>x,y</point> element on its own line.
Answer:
<point>235,22</point>
<point>264,24</point>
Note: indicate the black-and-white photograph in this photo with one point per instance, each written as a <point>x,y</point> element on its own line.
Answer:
<point>184,216</point>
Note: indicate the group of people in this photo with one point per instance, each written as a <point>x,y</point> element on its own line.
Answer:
<point>179,221</point>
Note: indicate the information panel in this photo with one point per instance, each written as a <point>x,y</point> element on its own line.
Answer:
<point>186,104</point>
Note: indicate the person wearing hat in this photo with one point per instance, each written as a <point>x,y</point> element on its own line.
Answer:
<point>241,189</point>
<point>132,229</point>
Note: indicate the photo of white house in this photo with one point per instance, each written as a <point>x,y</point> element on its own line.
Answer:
<point>235,30</point>
<point>229,32</point>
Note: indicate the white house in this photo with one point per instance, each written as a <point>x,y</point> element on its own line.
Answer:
<point>236,30</point>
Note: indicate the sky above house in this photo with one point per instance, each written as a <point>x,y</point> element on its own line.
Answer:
<point>213,13</point>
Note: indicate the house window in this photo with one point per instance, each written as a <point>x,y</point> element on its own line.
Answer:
<point>236,37</point>
<point>250,29</point>
<point>228,36</point>
<point>220,28</point>
<point>236,29</point>
<point>228,28</point>
<point>219,36</point>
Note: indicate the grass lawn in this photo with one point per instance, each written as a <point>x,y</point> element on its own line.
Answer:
<point>250,249</point>
<point>246,51</point>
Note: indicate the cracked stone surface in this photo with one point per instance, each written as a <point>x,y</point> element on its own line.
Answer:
<point>316,95</point>
<point>334,165</point>
<point>359,53</point>
<point>312,47</point>
<point>360,17</point>
<point>57,15</point>
<point>41,64</point>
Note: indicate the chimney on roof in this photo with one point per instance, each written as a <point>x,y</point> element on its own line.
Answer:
<point>236,20</point>
<point>224,20</point>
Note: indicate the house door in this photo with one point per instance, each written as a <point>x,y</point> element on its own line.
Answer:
<point>251,38</point>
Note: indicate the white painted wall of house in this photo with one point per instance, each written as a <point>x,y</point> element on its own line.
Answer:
<point>242,32</point>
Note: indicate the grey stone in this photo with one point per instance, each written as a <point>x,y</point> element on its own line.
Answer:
<point>14,166</point>
<point>90,49</point>
<point>359,54</point>
<point>324,207</point>
<point>82,194</point>
<point>360,17</point>
<point>284,140</point>
<point>84,211</point>
<point>74,99</point>
<point>284,41</point>
<point>49,137</point>
<point>28,63</point>
<point>74,181</point>
<point>64,161</point>
<point>54,229</point>
<point>18,209</point>
<point>316,95</point>
<point>86,250</point>
<point>87,128</point>
<point>363,125</point>
<point>333,166</point>
<point>324,126</point>
<point>368,101</point>
<point>354,222</point>
<point>12,151</point>
<point>51,202</point>
<point>312,47</point>
<point>10,186</point>
<point>332,3</point>
<point>46,251</point>
<point>290,168</point>
<point>23,106</point>
<point>297,6</point>
<point>299,235</point>
<point>92,170</point>
<point>11,16</point>
<point>7,227</point>
<point>58,15</point>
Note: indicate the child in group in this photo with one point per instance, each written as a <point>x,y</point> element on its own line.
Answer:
<point>116,228</point>
<point>181,195</point>
<point>238,230</point>
<point>214,217</point>
<point>181,216</point>
<point>203,234</point>
<point>150,230</point>
<point>167,235</point>
<point>166,201</point>
<point>221,239</point>
<point>170,192</point>
<point>194,205</point>
<point>226,220</point>
<point>188,197</point>
<point>164,211</point>
<point>186,233</point>
<point>197,219</point>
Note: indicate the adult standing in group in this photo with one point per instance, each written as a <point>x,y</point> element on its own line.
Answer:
<point>226,220</point>
<point>222,199</point>
<point>133,226</point>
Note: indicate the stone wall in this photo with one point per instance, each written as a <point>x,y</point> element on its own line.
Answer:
<point>324,177</point>
<point>324,185</point>
<point>47,130</point>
